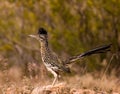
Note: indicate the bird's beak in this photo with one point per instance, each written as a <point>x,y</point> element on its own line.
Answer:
<point>34,36</point>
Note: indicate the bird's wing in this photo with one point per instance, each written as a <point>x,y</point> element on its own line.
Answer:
<point>97,50</point>
<point>59,63</point>
<point>57,58</point>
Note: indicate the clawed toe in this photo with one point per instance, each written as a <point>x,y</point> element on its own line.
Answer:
<point>48,87</point>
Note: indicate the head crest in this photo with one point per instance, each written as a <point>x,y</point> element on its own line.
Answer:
<point>42,31</point>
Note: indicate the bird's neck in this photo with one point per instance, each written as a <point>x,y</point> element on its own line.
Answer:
<point>44,43</point>
<point>44,47</point>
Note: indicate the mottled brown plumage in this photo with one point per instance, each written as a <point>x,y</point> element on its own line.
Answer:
<point>52,62</point>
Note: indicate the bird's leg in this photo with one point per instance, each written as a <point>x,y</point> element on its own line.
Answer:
<point>55,78</point>
<point>54,81</point>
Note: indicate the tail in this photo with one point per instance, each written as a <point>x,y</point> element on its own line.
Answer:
<point>101,49</point>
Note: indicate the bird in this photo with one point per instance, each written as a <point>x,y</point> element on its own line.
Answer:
<point>52,62</point>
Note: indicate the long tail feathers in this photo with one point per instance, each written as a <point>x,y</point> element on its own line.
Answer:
<point>101,49</point>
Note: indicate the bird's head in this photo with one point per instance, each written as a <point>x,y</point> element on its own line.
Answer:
<point>41,35</point>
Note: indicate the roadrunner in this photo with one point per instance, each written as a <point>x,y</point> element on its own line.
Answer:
<point>52,62</point>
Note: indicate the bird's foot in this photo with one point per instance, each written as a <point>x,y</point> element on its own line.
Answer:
<point>48,87</point>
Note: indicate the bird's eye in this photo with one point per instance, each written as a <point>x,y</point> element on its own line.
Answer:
<point>42,36</point>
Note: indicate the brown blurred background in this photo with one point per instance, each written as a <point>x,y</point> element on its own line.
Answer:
<point>74,26</point>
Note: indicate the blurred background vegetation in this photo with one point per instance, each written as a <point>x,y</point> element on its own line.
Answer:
<point>74,26</point>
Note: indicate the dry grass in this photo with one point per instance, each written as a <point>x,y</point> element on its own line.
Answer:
<point>86,84</point>
<point>13,81</point>
<point>87,81</point>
